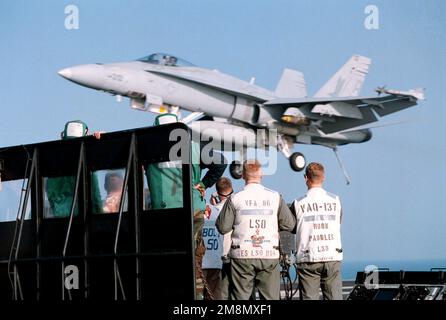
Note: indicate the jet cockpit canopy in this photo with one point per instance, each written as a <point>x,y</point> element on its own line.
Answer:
<point>165,59</point>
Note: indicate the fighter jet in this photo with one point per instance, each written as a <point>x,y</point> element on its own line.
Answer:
<point>237,110</point>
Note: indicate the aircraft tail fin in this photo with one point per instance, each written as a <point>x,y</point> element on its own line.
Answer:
<point>291,85</point>
<point>348,80</point>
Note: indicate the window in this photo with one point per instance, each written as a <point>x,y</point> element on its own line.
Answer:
<point>147,201</point>
<point>106,191</point>
<point>10,192</point>
<point>165,185</point>
<point>59,193</point>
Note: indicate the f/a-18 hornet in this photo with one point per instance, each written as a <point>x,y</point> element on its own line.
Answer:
<point>336,115</point>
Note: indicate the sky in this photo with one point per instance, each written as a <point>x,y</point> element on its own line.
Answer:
<point>395,207</point>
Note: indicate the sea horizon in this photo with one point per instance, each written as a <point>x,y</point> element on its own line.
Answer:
<point>350,268</point>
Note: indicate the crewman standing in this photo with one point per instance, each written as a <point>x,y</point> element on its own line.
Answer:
<point>60,190</point>
<point>318,237</point>
<point>255,215</point>
<point>216,282</point>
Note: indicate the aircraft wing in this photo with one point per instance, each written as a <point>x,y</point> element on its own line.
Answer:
<point>343,113</point>
<point>248,91</point>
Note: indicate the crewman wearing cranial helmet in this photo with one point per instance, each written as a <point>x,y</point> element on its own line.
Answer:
<point>60,190</point>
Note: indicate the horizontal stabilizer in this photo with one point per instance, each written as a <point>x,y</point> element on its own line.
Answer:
<point>374,126</point>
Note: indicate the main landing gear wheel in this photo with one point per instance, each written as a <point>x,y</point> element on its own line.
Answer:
<point>235,169</point>
<point>297,161</point>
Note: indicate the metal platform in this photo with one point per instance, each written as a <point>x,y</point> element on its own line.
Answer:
<point>135,253</point>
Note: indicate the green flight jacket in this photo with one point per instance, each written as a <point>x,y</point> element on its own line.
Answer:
<point>60,193</point>
<point>166,184</point>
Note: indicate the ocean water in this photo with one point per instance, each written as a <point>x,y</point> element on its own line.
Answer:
<point>350,268</point>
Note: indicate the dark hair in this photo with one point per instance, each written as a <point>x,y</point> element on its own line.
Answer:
<point>112,174</point>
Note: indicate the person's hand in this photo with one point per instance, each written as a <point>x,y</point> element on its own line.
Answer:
<point>213,200</point>
<point>200,187</point>
<point>112,203</point>
<point>98,134</point>
<point>207,212</point>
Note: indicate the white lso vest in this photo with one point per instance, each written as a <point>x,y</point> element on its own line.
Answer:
<point>256,232</point>
<point>213,240</point>
<point>318,233</point>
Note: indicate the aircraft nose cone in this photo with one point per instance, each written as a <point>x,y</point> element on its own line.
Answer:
<point>66,73</point>
<point>88,75</point>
